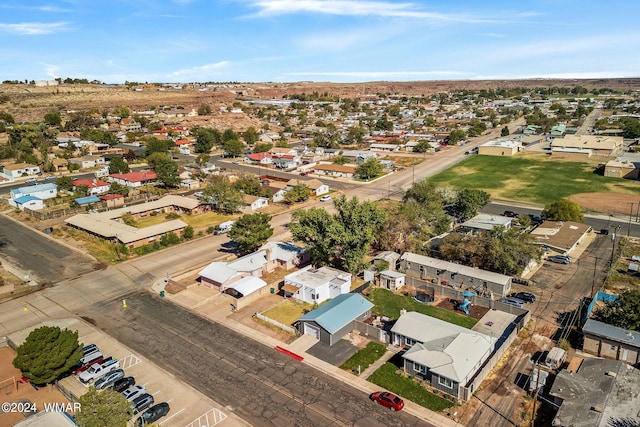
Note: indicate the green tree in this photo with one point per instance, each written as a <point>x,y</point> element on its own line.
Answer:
<point>262,147</point>
<point>103,408</point>
<point>476,127</point>
<point>188,232</point>
<point>204,110</point>
<point>222,195</point>
<point>165,168</point>
<point>504,131</point>
<point>298,193</point>
<point>422,146</point>
<point>630,127</point>
<point>251,231</point>
<point>122,112</point>
<point>206,139</point>
<point>622,312</point>
<point>456,135</point>
<point>53,118</point>
<point>118,165</point>
<point>383,124</point>
<point>370,169</point>
<point>202,159</point>
<point>469,201</point>
<point>340,160</point>
<point>80,120</point>
<point>117,188</point>
<point>250,136</point>
<point>356,134</point>
<point>233,148</point>
<point>47,353</point>
<point>155,145</point>
<point>229,135</point>
<point>342,239</point>
<point>99,135</point>
<point>563,210</point>
<point>249,184</point>
<point>64,182</point>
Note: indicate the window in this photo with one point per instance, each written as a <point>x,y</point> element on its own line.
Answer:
<point>409,341</point>
<point>445,382</point>
<point>419,368</point>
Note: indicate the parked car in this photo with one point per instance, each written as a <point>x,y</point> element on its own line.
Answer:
<point>535,218</point>
<point>388,400</point>
<point>90,348</point>
<point>559,259</point>
<point>325,198</point>
<point>153,414</point>
<point>524,296</point>
<point>49,178</point>
<point>510,214</point>
<point>123,384</point>
<point>141,403</point>
<point>31,180</point>
<point>96,357</point>
<point>108,379</point>
<point>512,301</point>
<point>133,391</point>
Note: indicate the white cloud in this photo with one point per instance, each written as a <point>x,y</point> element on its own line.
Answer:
<point>200,72</point>
<point>34,28</point>
<point>52,70</point>
<point>566,75</point>
<point>356,8</point>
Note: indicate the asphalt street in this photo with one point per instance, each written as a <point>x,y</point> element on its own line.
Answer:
<point>43,258</point>
<point>259,384</point>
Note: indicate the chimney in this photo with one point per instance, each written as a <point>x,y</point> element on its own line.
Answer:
<point>268,254</point>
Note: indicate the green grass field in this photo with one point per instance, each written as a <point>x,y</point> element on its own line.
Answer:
<point>196,221</point>
<point>536,178</point>
<point>389,304</point>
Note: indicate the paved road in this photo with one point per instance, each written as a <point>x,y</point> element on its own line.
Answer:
<point>44,259</point>
<point>261,385</point>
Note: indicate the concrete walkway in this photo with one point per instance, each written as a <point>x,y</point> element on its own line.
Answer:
<point>375,365</point>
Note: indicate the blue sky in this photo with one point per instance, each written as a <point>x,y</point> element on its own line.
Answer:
<point>319,40</point>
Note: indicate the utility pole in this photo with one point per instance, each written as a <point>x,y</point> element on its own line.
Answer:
<point>593,282</point>
<point>630,215</point>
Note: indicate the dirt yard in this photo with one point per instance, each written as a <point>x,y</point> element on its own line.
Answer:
<point>475,311</point>
<point>21,392</point>
<point>607,203</point>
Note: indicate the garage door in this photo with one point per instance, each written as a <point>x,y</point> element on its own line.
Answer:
<point>314,331</point>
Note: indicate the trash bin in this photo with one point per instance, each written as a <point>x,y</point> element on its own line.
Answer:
<point>272,290</point>
<point>161,294</point>
<point>604,231</point>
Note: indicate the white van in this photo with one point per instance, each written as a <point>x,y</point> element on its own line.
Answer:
<point>224,227</point>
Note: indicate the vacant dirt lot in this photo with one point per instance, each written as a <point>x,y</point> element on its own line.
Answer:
<point>608,203</point>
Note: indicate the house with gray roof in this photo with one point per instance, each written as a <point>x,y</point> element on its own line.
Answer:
<point>333,320</point>
<point>32,196</point>
<point>600,393</point>
<point>455,275</point>
<point>447,356</point>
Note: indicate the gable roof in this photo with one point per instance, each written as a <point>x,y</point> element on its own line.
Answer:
<point>34,189</point>
<point>218,272</point>
<point>247,285</point>
<point>489,276</point>
<point>284,251</point>
<point>91,183</point>
<point>135,176</point>
<point>258,156</point>
<point>338,312</point>
<point>446,349</point>
<point>26,199</point>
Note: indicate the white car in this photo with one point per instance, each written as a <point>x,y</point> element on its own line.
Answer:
<point>133,392</point>
<point>325,198</point>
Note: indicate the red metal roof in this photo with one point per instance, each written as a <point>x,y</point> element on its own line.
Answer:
<point>135,176</point>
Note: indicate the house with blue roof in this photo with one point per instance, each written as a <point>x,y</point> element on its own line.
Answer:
<point>28,196</point>
<point>333,320</point>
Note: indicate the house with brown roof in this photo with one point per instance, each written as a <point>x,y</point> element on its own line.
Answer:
<point>17,170</point>
<point>254,203</point>
<point>598,144</point>
<point>317,187</point>
<point>330,169</point>
<point>561,236</point>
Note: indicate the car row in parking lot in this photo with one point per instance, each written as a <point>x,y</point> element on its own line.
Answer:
<point>141,401</point>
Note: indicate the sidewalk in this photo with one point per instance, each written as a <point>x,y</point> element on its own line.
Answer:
<point>219,311</point>
<point>375,365</point>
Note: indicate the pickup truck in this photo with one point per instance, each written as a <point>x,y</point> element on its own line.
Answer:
<point>97,370</point>
<point>83,367</point>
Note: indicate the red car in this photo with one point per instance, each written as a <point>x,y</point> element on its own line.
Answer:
<point>388,400</point>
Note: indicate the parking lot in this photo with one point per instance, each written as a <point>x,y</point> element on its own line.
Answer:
<point>186,404</point>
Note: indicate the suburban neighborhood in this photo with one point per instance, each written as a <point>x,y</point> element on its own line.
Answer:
<point>465,257</point>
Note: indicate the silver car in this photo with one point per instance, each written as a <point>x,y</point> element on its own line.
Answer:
<point>133,391</point>
<point>108,379</point>
<point>142,402</point>
<point>512,301</point>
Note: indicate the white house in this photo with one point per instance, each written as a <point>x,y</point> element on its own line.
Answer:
<point>317,187</point>
<point>95,186</point>
<point>28,196</point>
<point>254,202</point>
<point>392,280</point>
<point>17,170</point>
<point>316,285</point>
<point>133,179</point>
<point>87,162</point>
